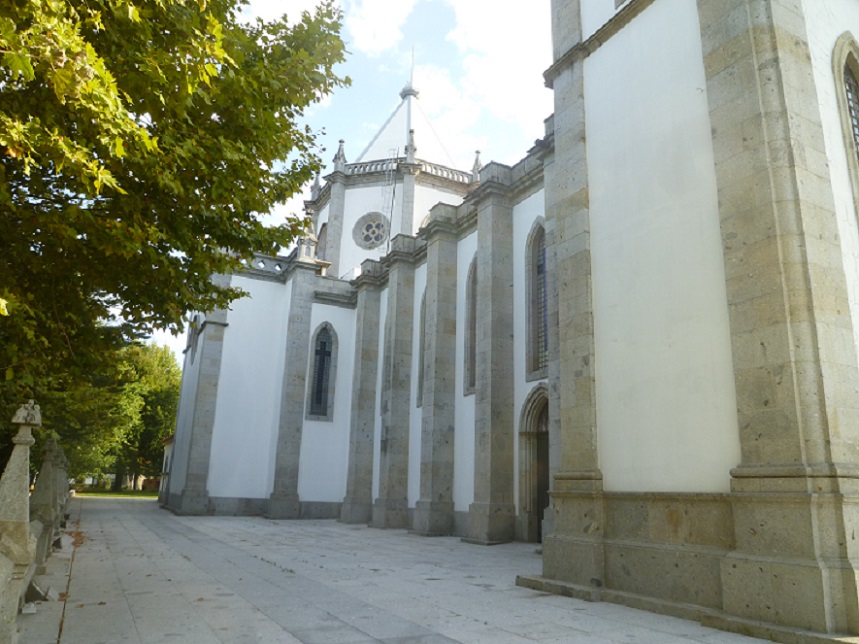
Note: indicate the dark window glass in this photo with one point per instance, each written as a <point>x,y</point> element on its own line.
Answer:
<point>853,104</point>
<point>321,374</point>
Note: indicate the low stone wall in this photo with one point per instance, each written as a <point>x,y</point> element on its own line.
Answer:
<point>28,523</point>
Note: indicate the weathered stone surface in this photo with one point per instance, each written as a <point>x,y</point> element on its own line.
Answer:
<point>17,545</point>
<point>794,355</point>
<point>358,503</point>
<point>284,502</point>
<point>433,513</point>
<point>390,509</point>
<point>492,515</point>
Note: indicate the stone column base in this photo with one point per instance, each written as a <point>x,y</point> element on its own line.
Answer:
<point>355,512</point>
<point>491,523</point>
<point>194,502</point>
<point>433,518</point>
<point>390,513</point>
<point>283,506</point>
<point>794,563</point>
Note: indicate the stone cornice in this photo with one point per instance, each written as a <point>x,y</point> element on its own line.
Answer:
<point>346,300</point>
<point>403,249</point>
<point>206,323</point>
<point>336,177</point>
<point>321,200</point>
<point>372,275</point>
<point>584,49</point>
<point>408,168</point>
<point>466,223</point>
<point>439,227</point>
<point>496,181</point>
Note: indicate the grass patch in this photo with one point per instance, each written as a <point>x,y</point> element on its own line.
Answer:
<point>123,493</point>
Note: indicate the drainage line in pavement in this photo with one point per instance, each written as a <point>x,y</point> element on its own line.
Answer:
<point>77,539</point>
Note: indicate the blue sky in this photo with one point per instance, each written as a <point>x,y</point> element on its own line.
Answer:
<point>478,65</point>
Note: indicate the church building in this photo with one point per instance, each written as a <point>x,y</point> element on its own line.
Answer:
<point>637,345</point>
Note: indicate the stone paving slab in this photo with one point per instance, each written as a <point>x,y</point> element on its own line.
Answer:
<point>144,576</point>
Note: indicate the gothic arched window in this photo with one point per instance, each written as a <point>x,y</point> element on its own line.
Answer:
<point>471,329</point>
<point>851,90</point>
<point>845,68</point>
<point>322,376</point>
<point>537,312</point>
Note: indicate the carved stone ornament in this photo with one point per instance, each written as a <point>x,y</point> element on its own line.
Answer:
<point>29,414</point>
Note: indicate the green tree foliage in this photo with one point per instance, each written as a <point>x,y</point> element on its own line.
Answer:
<point>153,380</point>
<point>142,142</point>
<point>116,419</point>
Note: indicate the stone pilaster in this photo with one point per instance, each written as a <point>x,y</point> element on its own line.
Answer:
<point>336,208</point>
<point>391,507</point>
<point>358,503</point>
<point>194,498</point>
<point>491,517</point>
<point>409,171</point>
<point>284,502</point>
<point>573,538</point>
<point>434,511</point>
<point>334,234</point>
<point>795,493</point>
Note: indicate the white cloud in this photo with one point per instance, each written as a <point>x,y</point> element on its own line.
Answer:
<point>452,112</point>
<point>505,45</point>
<point>376,25</point>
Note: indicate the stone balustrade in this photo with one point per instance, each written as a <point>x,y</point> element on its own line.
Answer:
<point>28,523</point>
<point>391,165</point>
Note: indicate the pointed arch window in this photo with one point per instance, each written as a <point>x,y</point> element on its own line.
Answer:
<point>470,370</point>
<point>320,404</point>
<point>322,242</point>
<point>537,312</point>
<point>851,91</point>
<point>845,68</point>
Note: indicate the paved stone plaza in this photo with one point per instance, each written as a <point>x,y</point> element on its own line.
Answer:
<point>141,574</point>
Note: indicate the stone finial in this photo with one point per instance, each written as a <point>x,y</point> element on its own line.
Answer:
<point>475,169</point>
<point>307,247</point>
<point>316,188</point>
<point>29,414</point>
<point>340,158</point>
<point>411,148</point>
<point>408,90</point>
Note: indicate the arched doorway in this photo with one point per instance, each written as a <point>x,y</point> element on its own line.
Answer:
<point>533,465</point>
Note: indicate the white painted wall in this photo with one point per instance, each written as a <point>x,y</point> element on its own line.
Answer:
<point>525,214</point>
<point>249,391</point>
<point>825,23</point>
<point>666,407</point>
<point>361,200</point>
<point>595,13</point>
<point>322,217</point>
<point>463,439</point>
<point>416,413</point>
<point>377,430</point>
<point>426,197</point>
<point>325,445</point>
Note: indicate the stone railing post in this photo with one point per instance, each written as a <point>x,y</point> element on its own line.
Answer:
<point>16,546</point>
<point>49,498</point>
